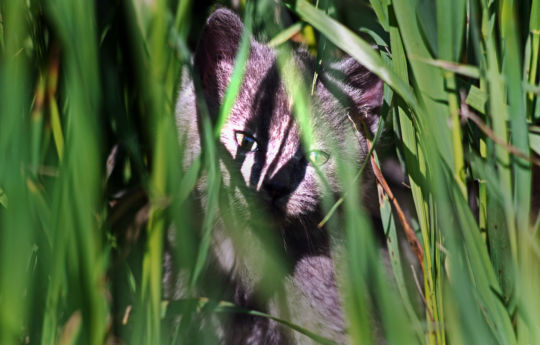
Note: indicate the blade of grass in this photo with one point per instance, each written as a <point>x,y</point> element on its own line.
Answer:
<point>381,12</point>
<point>160,122</point>
<point>450,27</point>
<point>462,69</point>
<point>534,34</point>
<point>396,259</point>
<point>214,183</point>
<point>204,304</point>
<point>286,34</point>
<point>413,154</point>
<point>501,226</point>
<point>37,122</point>
<point>81,171</point>
<point>521,168</point>
<point>17,227</point>
<point>209,144</point>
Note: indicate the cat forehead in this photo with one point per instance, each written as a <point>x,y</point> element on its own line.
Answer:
<point>263,106</point>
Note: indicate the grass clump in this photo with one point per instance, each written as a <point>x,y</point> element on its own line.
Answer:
<point>91,178</point>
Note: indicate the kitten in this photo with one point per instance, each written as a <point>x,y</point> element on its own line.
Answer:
<point>271,189</point>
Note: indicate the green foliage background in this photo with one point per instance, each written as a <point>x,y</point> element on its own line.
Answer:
<point>90,176</point>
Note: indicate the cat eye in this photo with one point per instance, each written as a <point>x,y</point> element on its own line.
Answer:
<point>246,142</point>
<point>318,157</point>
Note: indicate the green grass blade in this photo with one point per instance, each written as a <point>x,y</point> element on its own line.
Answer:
<point>518,114</point>
<point>501,226</point>
<point>534,35</point>
<point>285,35</point>
<point>16,233</point>
<point>80,176</point>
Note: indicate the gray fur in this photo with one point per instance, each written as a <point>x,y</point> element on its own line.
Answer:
<point>279,179</point>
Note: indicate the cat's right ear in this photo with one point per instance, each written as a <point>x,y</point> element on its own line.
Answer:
<point>358,89</point>
<point>216,51</point>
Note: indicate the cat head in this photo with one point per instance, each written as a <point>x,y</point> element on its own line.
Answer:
<point>261,137</point>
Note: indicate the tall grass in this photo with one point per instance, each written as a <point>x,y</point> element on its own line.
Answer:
<point>91,179</point>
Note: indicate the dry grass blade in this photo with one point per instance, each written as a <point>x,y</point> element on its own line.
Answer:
<point>409,232</point>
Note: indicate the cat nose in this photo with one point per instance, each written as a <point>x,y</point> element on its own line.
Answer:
<point>277,188</point>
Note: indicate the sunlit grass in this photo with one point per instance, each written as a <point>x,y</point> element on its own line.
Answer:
<point>91,177</point>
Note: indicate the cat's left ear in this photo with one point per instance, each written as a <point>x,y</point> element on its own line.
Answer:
<point>363,89</point>
<point>215,54</point>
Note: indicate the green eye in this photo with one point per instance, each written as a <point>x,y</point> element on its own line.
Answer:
<point>246,142</point>
<point>318,157</point>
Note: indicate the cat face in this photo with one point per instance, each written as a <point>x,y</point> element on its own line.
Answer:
<point>261,138</point>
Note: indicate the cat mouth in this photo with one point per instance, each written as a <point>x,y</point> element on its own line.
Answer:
<point>283,210</point>
<point>277,208</point>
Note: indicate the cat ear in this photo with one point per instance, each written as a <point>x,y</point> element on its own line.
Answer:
<point>215,54</point>
<point>364,90</point>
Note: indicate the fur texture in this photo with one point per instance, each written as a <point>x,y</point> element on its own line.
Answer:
<point>271,199</point>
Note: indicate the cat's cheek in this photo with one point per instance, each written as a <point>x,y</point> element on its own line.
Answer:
<point>305,199</point>
<point>319,179</point>
<point>333,178</point>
